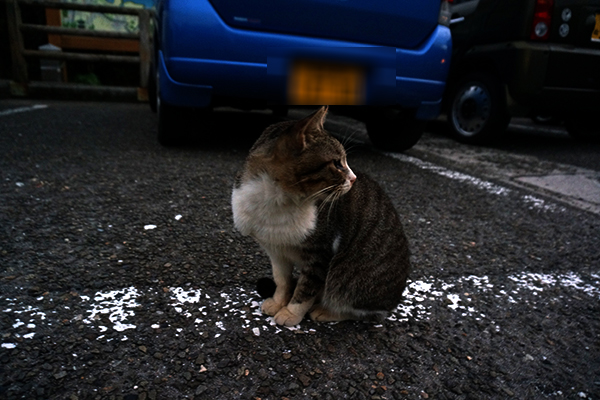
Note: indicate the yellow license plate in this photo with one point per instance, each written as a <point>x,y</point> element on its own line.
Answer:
<point>323,83</point>
<point>596,31</point>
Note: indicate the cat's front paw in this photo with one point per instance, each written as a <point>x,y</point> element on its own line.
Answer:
<point>271,307</point>
<point>287,318</point>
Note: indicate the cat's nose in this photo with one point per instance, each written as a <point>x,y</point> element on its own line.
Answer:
<point>352,177</point>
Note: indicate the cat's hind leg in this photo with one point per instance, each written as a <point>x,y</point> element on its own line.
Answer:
<point>320,313</point>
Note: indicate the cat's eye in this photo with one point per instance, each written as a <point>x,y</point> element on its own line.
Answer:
<point>338,164</point>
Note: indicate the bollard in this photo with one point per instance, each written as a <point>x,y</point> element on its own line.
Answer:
<point>51,69</point>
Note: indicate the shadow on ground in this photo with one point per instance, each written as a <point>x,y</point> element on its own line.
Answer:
<point>549,142</point>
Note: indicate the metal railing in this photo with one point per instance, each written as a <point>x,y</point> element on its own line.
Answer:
<point>19,54</point>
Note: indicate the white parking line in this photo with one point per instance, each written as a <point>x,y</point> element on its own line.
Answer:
<point>459,176</point>
<point>531,201</point>
<point>22,109</point>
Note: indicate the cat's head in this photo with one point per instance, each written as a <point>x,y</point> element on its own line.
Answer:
<point>305,160</point>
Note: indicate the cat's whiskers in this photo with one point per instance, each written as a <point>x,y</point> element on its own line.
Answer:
<point>331,199</point>
<point>350,139</point>
<point>301,181</point>
<point>318,193</point>
<point>336,195</point>
<point>324,202</point>
<point>350,149</point>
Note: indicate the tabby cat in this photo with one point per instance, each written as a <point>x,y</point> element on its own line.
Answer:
<point>299,199</point>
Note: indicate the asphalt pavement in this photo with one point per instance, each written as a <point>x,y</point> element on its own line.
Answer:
<point>122,276</point>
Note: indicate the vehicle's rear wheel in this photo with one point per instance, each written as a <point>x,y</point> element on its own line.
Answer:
<point>171,124</point>
<point>394,130</point>
<point>583,128</point>
<point>478,110</point>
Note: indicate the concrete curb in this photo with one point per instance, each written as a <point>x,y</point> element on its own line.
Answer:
<point>72,91</point>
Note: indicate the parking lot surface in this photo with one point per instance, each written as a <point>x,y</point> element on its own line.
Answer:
<point>122,276</point>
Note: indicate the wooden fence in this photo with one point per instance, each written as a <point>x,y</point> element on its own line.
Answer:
<point>19,54</point>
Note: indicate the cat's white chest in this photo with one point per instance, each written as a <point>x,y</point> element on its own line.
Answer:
<point>261,209</point>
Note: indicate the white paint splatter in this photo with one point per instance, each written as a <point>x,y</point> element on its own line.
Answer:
<point>117,304</point>
<point>8,345</point>
<point>121,327</point>
<point>419,303</point>
<point>454,299</point>
<point>180,297</point>
<point>178,217</point>
<point>149,227</point>
<point>539,282</point>
<point>219,324</point>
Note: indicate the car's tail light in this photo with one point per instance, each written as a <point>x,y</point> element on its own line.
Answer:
<point>542,17</point>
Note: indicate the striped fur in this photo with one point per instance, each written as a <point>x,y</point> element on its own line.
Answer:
<point>300,200</point>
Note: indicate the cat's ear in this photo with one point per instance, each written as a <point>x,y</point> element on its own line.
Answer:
<point>309,124</point>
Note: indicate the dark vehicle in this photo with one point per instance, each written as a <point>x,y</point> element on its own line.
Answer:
<point>259,54</point>
<point>523,58</point>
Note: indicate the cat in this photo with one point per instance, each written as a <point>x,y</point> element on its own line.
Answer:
<point>300,200</point>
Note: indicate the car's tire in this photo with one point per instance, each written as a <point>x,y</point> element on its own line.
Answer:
<point>477,108</point>
<point>583,128</point>
<point>171,124</point>
<point>394,130</point>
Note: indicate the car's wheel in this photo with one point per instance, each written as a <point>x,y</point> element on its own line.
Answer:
<point>394,130</point>
<point>171,126</point>
<point>583,128</point>
<point>173,122</point>
<point>478,110</point>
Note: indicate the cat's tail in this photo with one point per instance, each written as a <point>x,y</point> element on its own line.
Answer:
<point>265,287</point>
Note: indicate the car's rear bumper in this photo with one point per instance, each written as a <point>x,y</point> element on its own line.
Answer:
<point>411,78</point>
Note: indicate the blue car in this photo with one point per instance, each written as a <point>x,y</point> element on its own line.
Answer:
<point>389,57</point>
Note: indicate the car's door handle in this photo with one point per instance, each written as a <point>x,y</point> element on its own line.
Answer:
<point>456,20</point>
